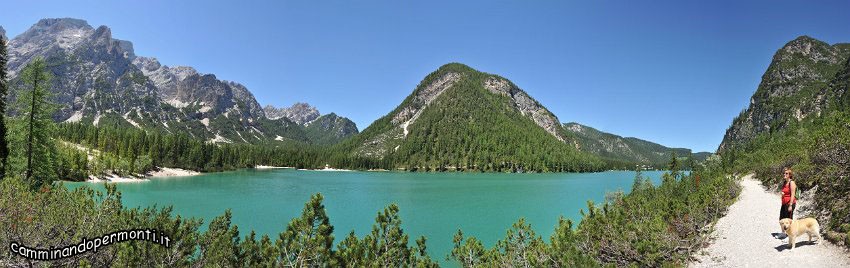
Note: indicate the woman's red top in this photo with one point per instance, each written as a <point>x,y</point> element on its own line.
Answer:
<point>786,194</point>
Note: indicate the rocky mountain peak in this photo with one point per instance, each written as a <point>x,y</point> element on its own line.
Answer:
<point>147,63</point>
<point>574,127</point>
<point>63,36</point>
<point>2,32</point>
<point>184,71</point>
<point>795,86</point>
<point>65,33</point>
<point>150,66</point>
<point>301,113</point>
<point>809,49</point>
<point>62,23</point>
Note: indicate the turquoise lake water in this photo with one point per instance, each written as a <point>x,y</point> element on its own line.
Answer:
<point>435,205</point>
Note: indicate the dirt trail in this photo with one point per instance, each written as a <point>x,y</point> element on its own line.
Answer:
<point>743,237</point>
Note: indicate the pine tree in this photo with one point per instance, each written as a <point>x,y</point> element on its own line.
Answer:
<point>308,240</point>
<point>34,110</point>
<point>674,165</point>
<point>4,146</point>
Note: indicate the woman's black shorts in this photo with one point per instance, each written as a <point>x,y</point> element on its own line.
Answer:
<point>784,213</point>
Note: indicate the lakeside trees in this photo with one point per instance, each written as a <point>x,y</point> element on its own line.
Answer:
<point>124,151</point>
<point>135,151</point>
<point>650,226</point>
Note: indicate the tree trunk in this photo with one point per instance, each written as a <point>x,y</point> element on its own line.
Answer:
<point>36,78</point>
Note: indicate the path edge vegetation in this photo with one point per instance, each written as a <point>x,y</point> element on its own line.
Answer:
<point>818,151</point>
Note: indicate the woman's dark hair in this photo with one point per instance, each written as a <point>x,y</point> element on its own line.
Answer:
<point>790,173</point>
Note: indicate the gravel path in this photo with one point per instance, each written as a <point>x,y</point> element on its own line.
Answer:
<point>743,237</point>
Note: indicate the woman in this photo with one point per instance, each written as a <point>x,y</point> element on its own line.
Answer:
<point>789,200</point>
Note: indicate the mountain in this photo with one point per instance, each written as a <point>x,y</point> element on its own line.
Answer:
<point>799,118</point>
<point>630,150</point>
<point>796,85</point>
<point>321,129</point>
<point>301,113</point>
<point>330,129</point>
<point>99,79</point>
<point>460,118</point>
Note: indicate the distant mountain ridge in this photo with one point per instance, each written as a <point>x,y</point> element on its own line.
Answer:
<point>99,80</point>
<point>301,113</point>
<point>627,149</point>
<point>321,129</point>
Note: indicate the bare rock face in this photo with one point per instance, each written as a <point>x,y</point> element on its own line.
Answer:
<point>97,78</point>
<point>526,105</point>
<point>163,77</point>
<point>183,86</point>
<point>795,86</point>
<point>92,71</point>
<point>300,113</point>
<point>422,98</point>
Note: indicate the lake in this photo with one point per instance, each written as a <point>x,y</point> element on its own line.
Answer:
<point>435,205</point>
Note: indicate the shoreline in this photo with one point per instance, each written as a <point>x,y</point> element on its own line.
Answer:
<point>179,172</point>
<point>324,169</point>
<point>160,172</point>
<point>172,172</point>
<point>271,167</point>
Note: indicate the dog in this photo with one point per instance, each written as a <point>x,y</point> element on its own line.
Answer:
<point>795,228</point>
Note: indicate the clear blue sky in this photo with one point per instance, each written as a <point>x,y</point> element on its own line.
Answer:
<point>675,73</point>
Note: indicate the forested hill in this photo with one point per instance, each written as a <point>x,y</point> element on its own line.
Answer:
<point>626,149</point>
<point>800,118</point>
<point>460,118</point>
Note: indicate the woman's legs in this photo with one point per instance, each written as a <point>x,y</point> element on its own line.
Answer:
<point>783,214</point>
